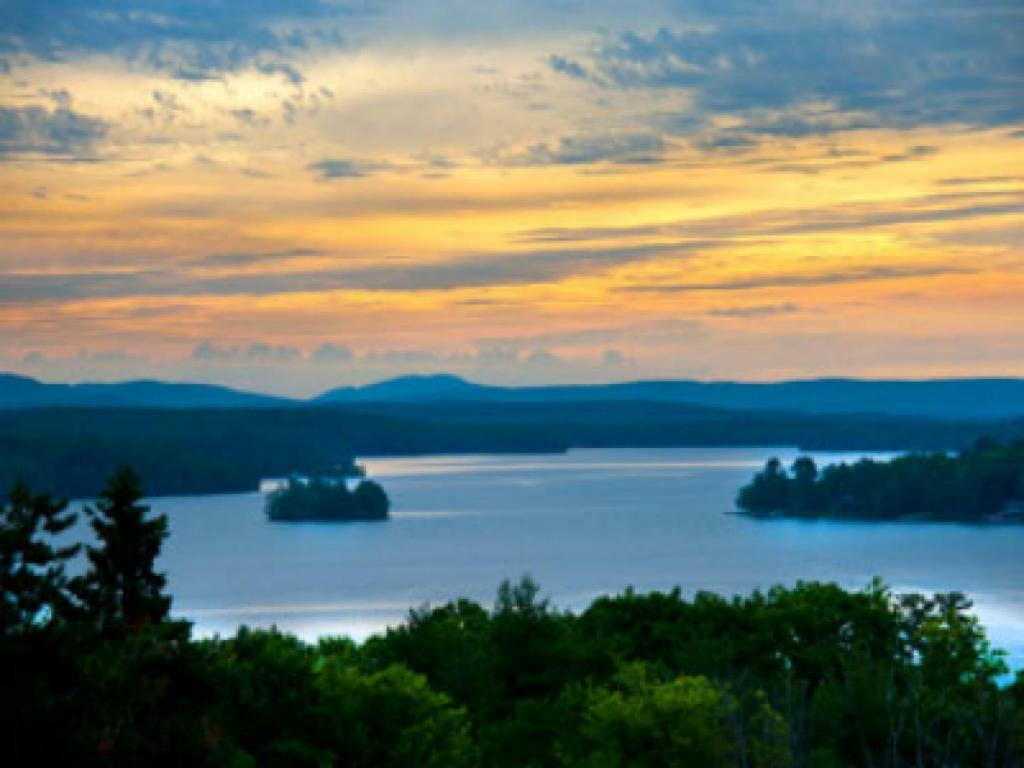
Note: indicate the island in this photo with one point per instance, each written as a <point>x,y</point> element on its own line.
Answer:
<point>327,499</point>
<point>983,484</point>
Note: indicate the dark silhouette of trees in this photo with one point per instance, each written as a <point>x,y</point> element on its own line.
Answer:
<point>326,498</point>
<point>768,491</point>
<point>122,588</point>
<point>812,675</point>
<point>70,451</point>
<point>33,583</point>
<point>982,484</point>
<point>370,497</point>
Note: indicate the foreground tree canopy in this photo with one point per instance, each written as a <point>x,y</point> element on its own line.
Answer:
<point>982,484</point>
<point>96,673</point>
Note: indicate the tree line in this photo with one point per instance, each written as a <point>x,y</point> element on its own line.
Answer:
<point>69,451</point>
<point>982,484</point>
<point>96,672</point>
<point>327,498</point>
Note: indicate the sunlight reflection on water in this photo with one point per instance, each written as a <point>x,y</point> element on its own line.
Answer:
<point>583,523</point>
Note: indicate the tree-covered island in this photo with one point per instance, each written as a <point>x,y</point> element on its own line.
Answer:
<point>328,499</point>
<point>984,484</point>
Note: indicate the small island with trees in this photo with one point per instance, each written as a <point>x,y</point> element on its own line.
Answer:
<point>327,498</point>
<point>984,484</point>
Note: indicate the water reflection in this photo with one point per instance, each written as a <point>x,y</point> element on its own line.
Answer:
<point>583,523</point>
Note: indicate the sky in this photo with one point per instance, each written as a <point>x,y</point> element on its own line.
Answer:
<point>290,196</point>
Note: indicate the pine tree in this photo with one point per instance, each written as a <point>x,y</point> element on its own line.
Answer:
<point>121,588</point>
<point>33,585</point>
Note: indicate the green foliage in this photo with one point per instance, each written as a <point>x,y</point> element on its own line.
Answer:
<point>142,698</point>
<point>643,722</point>
<point>267,698</point>
<point>284,703</point>
<point>811,675</point>
<point>390,719</point>
<point>121,588</point>
<point>985,483</point>
<point>32,580</point>
<point>327,499</point>
<point>450,645</point>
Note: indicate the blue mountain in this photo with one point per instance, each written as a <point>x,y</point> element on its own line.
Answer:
<point>980,398</point>
<point>23,392</point>
<point>955,399</point>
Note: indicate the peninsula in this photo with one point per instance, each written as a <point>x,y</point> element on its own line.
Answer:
<point>984,484</point>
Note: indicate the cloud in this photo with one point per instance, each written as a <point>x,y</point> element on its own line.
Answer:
<point>541,358</point>
<point>568,67</point>
<point>190,39</point>
<point>249,117</point>
<point>967,181</point>
<point>728,140</point>
<point>106,356</point>
<point>613,358</point>
<point>769,223</point>
<point>59,132</point>
<point>332,353</point>
<point>279,353</point>
<point>1009,237</point>
<point>626,149</point>
<point>290,73</point>
<point>588,336</point>
<point>775,65</point>
<point>427,165</point>
<point>857,275</point>
<point>245,258</point>
<point>512,268</point>
<point>911,153</point>
<point>591,253</point>
<point>758,310</point>
<point>630,333</point>
<point>100,358</point>
<point>486,355</point>
<point>405,356</point>
<point>330,170</point>
<point>207,351</point>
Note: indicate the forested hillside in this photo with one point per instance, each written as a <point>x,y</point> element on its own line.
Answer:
<point>191,451</point>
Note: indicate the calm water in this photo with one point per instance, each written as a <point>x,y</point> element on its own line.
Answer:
<point>588,522</point>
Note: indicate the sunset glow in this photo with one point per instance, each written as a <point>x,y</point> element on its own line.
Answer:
<point>516,192</point>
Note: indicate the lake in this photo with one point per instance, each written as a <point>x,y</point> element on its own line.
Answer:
<point>582,524</point>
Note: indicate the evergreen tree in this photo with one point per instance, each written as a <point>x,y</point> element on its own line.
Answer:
<point>33,586</point>
<point>121,588</point>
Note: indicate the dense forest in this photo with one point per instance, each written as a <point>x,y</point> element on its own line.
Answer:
<point>327,499</point>
<point>68,450</point>
<point>97,673</point>
<point>982,484</point>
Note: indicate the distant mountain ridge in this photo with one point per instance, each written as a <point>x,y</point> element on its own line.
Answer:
<point>24,392</point>
<point>441,386</point>
<point>956,399</point>
<point>978,398</point>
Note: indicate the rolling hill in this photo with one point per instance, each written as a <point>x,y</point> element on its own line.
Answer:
<point>23,392</point>
<point>976,399</point>
<point>956,399</point>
